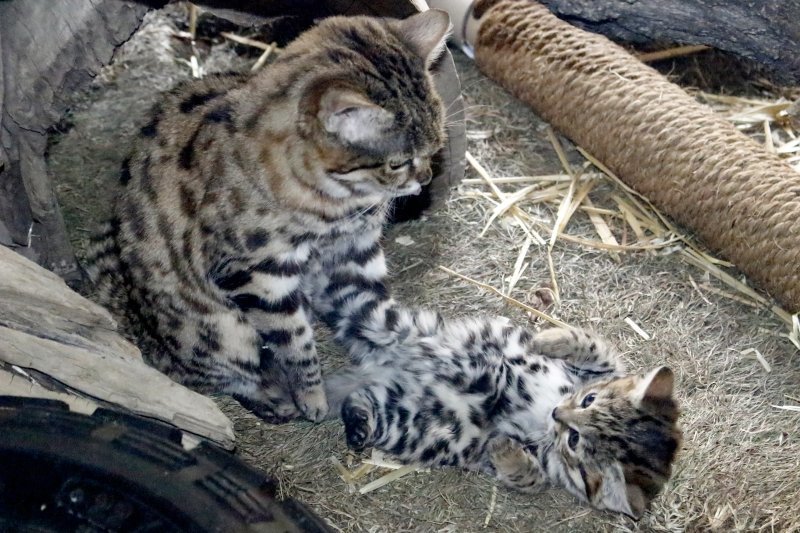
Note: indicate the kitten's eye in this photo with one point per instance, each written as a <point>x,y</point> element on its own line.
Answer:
<point>397,165</point>
<point>588,400</point>
<point>572,440</point>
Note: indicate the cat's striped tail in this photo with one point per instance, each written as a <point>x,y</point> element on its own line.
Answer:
<point>103,264</point>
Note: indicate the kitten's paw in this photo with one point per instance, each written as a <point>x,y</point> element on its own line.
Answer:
<point>357,426</point>
<point>560,343</point>
<point>506,453</point>
<point>313,403</point>
<point>271,412</point>
<point>514,466</point>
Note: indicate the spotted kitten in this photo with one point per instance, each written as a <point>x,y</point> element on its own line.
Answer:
<point>532,410</point>
<point>240,186</point>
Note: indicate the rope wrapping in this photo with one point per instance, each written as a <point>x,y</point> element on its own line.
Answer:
<point>695,166</point>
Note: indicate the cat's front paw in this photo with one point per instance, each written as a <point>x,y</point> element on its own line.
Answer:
<point>357,426</point>
<point>278,412</point>
<point>313,403</point>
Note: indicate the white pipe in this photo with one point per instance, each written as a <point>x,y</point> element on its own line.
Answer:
<point>465,25</point>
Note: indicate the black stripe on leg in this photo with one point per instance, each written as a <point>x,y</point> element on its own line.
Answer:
<point>390,319</point>
<point>276,268</point>
<point>362,257</point>
<point>287,305</point>
<point>359,318</point>
<point>196,100</point>
<point>342,280</point>
<point>234,280</point>
<point>277,337</point>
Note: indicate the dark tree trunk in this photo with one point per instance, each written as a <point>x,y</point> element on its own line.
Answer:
<point>766,31</point>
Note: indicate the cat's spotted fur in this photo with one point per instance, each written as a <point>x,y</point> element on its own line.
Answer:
<point>533,410</point>
<point>240,188</point>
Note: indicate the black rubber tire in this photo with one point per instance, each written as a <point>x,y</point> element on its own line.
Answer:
<point>63,471</point>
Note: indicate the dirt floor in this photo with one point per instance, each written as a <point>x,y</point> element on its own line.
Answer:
<point>738,468</point>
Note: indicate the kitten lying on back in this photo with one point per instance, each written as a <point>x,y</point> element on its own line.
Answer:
<point>552,408</point>
<point>240,186</point>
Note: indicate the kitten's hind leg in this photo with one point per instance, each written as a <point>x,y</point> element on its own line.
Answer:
<point>514,466</point>
<point>358,415</point>
<point>585,355</point>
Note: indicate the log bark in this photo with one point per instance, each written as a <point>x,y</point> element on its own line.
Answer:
<point>47,51</point>
<point>47,329</point>
<point>762,30</point>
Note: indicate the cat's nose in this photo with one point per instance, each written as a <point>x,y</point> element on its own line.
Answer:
<point>554,414</point>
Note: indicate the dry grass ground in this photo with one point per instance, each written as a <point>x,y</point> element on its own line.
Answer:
<point>738,467</point>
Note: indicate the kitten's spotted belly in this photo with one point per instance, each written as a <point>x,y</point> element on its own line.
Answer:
<point>430,418</point>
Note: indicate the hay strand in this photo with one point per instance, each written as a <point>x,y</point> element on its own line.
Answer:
<point>526,307</point>
<point>637,328</point>
<point>388,478</point>
<point>678,51</point>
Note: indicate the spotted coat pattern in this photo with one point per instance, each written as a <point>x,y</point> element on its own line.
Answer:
<point>238,188</point>
<point>533,410</point>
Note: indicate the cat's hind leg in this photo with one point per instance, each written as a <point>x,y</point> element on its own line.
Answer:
<point>585,355</point>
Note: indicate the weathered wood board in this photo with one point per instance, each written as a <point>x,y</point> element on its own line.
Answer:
<point>46,326</point>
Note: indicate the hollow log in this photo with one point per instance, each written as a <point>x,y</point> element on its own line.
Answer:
<point>765,31</point>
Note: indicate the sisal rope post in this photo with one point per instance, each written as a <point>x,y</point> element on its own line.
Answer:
<point>742,201</point>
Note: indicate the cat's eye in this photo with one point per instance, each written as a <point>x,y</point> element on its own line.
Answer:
<point>397,165</point>
<point>572,440</point>
<point>588,400</point>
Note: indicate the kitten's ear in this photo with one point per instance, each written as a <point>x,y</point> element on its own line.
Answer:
<point>352,117</point>
<point>609,491</point>
<point>655,386</point>
<point>425,33</point>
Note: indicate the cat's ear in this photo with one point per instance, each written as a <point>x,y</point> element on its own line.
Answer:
<point>425,33</point>
<point>352,117</point>
<point>610,491</point>
<point>655,386</point>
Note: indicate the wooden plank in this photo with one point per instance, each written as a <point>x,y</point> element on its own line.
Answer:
<point>46,326</point>
<point>36,301</point>
<point>123,381</point>
<point>16,385</point>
